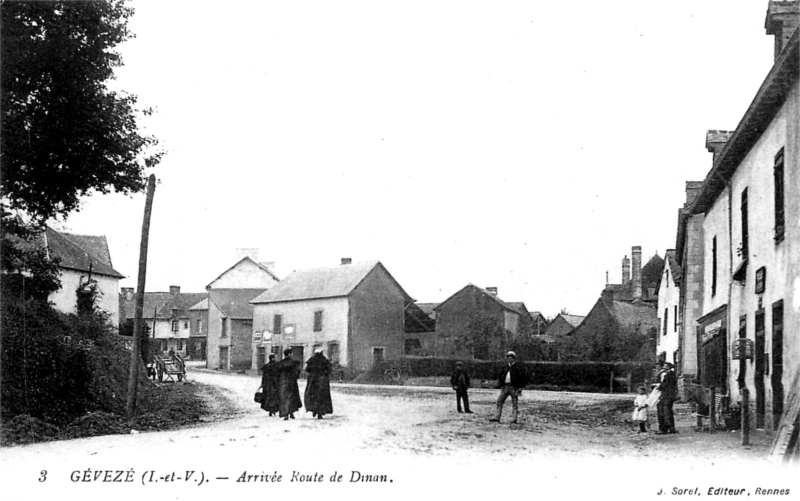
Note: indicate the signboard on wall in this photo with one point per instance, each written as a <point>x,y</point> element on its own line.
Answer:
<point>761,280</point>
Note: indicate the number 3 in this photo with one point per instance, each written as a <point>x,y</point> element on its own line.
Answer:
<point>43,476</point>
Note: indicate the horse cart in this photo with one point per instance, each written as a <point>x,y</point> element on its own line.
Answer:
<point>172,367</point>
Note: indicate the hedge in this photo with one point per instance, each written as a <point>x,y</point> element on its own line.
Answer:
<point>561,375</point>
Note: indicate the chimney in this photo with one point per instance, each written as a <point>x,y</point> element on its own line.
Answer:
<point>636,255</point>
<point>782,19</point>
<point>174,290</point>
<point>492,290</point>
<point>347,260</point>
<point>626,270</point>
<point>607,297</point>
<point>692,190</point>
<point>716,140</point>
<point>127,293</point>
<point>243,252</point>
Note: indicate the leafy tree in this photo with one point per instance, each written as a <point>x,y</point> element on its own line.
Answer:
<point>65,133</point>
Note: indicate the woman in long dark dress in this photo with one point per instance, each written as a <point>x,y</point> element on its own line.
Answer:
<point>318,386</point>
<point>289,393</point>
<point>269,386</point>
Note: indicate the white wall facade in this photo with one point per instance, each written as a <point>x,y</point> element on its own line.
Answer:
<point>65,299</point>
<point>300,315</point>
<point>246,274</point>
<point>669,298</point>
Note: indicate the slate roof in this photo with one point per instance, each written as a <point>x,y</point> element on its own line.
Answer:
<point>494,297</point>
<point>201,306</point>
<point>162,303</point>
<point>573,320</point>
<point>521,309</point>
<point>234,303</point>
<point>633,314</point>
<point>321,283</point>
<point>427,307</point>
<point>72,255</point>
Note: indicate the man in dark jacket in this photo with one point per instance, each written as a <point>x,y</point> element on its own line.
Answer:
<point>288,392</point>
<point>269,385</point>
<point>512,380</point>
<point>318,385</point>
<point>668,384</point>
<point>460,383</point>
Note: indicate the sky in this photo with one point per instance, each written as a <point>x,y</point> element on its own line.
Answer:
<point>520,145</point>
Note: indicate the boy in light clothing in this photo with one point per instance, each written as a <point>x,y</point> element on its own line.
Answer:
<point>640,410</point>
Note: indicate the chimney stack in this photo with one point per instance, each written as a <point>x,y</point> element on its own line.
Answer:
<point>626,270</point>
<point>782,19</point>
<point>492,290</point>
<point>174,290</point>
<point>347,260</point>
<point>607,297</point>
<point>716,140</point>
<point>243,252</point>
<point>692,190</point>
<point>636,255</point>
<point>127,293</point>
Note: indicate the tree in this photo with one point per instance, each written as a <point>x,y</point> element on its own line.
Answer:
<point>65,134</point>
<point>482,335</point>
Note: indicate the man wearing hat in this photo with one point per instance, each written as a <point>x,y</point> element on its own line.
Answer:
<point>459,380</point>
<point>512,379</point>
<point>668,385</point>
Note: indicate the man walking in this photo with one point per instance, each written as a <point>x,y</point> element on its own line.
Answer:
<point>668,385</point>
<point>318,385</point>
<point>512,379</point>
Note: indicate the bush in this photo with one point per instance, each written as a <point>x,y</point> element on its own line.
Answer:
<point>577,376</point>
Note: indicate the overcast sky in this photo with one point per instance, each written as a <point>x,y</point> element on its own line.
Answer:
<point>522,145</point>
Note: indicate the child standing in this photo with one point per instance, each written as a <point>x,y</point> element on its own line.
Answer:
<point>640,409</point>
<point>460,383</point>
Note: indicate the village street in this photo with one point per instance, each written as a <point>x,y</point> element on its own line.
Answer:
<point>404,439</point>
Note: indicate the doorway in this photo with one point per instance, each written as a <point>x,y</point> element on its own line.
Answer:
<point>223,358</point>
<point>777,363</point>
<point>760,360</point>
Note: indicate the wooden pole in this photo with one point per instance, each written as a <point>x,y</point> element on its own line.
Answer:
<point>133,375</point>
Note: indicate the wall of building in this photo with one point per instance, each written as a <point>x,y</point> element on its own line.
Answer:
<point>377,319</point>
<point>300,314</point>
<point>244,275</point>
<point>559,327</point>
<point>66,300</point>
<point>755,173</point>
<point>691,304</point>
<point>197,337</point>
<point>668,303</point>
<point>715,224</point>
<point>456,314</point>
<point>240,339</point>
<point>214,341</point>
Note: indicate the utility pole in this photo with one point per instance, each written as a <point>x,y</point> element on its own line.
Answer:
<point>133,375</point>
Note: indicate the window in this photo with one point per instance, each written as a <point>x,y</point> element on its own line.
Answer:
<point>185,324</point>
<point>277,350</point>
<point>667,273</point>
<point>377,355</point>
<point>199,325</point>
<point>714,266</point>
<point>745,229</point>
<point>317,321</point>
<point>333,352</point>
<point>666,320</point>
<point>181,345</point>
<point>780,214</point>
<point>277,324</point>
<point>675,318</point>
<point>224,329</point>
<point>163,345</point>
<point>174,326</point>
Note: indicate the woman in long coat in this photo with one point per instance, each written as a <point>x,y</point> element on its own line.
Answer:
<point>318,386</point>
<point>269,386</point>
<point>289,393</point>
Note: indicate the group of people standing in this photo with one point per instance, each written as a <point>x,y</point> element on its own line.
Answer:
<point>662,396</point>
<point>280,393</point>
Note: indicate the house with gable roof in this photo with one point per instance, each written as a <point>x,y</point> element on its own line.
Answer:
<point>470,304</point>
<point>229,338</point>
<point>166,315</point>
<point>562,325</point>
<point>80,256</point>
<point>355,312</point>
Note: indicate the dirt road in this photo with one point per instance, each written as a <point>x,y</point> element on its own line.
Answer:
<point>403,440</point>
